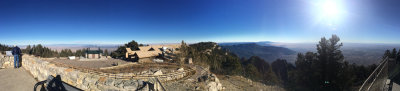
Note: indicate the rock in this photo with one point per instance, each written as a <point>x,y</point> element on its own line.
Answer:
<point>143,72</point>
<point>197,88</point>
<point>202,78</point>
<point>214,78</point>
<point>118,82</point>
<point>140,83</point>
<point>190,61</point>
<point>159,72</point>
<point>213,83</point>
<point>214,86</point>
<point>189,80</point>
<point>181,69</point>
<point>109,82</point>
<point>6,64</point>
<point>130,84</point>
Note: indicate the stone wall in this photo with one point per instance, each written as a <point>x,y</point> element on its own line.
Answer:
<point>6,62</point>
<point>89,80</point>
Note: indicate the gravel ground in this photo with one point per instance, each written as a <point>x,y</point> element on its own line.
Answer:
<point>187,83</point>
<point>16,80</point>
<point>89,64</point>
<point>145,67</point>
<point>236,83</point>
<point>231,83</point>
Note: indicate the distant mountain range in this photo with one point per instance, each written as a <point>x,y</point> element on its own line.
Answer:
<point>261,43</point>
<point>74,47</point>
<point>359,53</point>
<point>260,49</point>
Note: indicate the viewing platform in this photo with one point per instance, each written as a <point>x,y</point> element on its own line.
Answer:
<point>16,80</point>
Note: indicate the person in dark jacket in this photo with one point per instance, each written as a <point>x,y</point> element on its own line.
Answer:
<point>16,52</point>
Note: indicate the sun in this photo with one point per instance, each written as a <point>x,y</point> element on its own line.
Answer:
<point>329,13</point>
<point>330,9</point>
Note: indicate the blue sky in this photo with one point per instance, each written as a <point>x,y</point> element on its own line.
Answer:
<point>170,21</point>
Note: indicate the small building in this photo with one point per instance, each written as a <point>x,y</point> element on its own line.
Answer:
<point>93,53</point>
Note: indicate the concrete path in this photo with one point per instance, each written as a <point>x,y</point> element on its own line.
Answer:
<point>16,80</point>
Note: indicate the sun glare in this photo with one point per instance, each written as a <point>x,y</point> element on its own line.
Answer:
<point>329,12</point>
<point>330,9</point>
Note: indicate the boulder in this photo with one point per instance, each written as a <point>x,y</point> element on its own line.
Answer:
<point>212,82</point>
<point>130,84</point>
<point>214,86</point>
<point>157,73</point>
<point>181,69</point>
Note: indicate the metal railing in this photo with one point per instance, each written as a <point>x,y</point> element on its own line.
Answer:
<point>377,80</point>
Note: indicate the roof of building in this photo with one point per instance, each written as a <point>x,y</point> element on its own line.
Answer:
<point>145,52</point>
<point>94,51</point>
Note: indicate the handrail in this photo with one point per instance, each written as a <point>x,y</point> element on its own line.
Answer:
<point>373,73</point>
<point>376,76</point>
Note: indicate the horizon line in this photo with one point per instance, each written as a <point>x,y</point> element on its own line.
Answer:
<point>185,42</point>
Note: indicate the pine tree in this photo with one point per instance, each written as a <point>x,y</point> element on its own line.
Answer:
<point>105,52</point>
<point>398,56</point>
<point>393,54</point>
<point>387,54</point>
<point>27,49</point>
<point>120,52</point>
<point>133,45</point>
<point>324,70</point>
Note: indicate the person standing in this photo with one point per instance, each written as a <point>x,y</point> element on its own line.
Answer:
<point>16,52</point>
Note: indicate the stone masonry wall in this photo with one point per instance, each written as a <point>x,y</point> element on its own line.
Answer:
<point>6,62</point>
<point>92,81</point>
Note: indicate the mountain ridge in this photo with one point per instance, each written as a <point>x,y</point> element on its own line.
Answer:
<point>268,53</point>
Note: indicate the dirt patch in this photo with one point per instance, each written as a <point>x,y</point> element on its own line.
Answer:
<point>142,68</point>
<point>87,64</point>
<point>238,83</point>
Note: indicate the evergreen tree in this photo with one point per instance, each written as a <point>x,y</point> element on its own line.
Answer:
<point>324,70</point>
<point>105,52</point>
<point>252,72</point>
<point>120,52</point>
<point>133,45</point>
<point>387,54</point>
<point>27,49</point>
<point>39,50</point>
<point>280,67</point>
<point>266,74</point>
<point>393,54</point>
<point>183,49</point>
<point>306,75</point>
<point>331,58</point>
<point>4,48</point>
<point>398,57</point>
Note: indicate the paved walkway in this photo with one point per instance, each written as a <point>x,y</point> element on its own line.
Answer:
<point>395,87</point>
<point>16,80</point>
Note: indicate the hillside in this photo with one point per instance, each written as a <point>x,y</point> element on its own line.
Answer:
<point>268,53</point>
